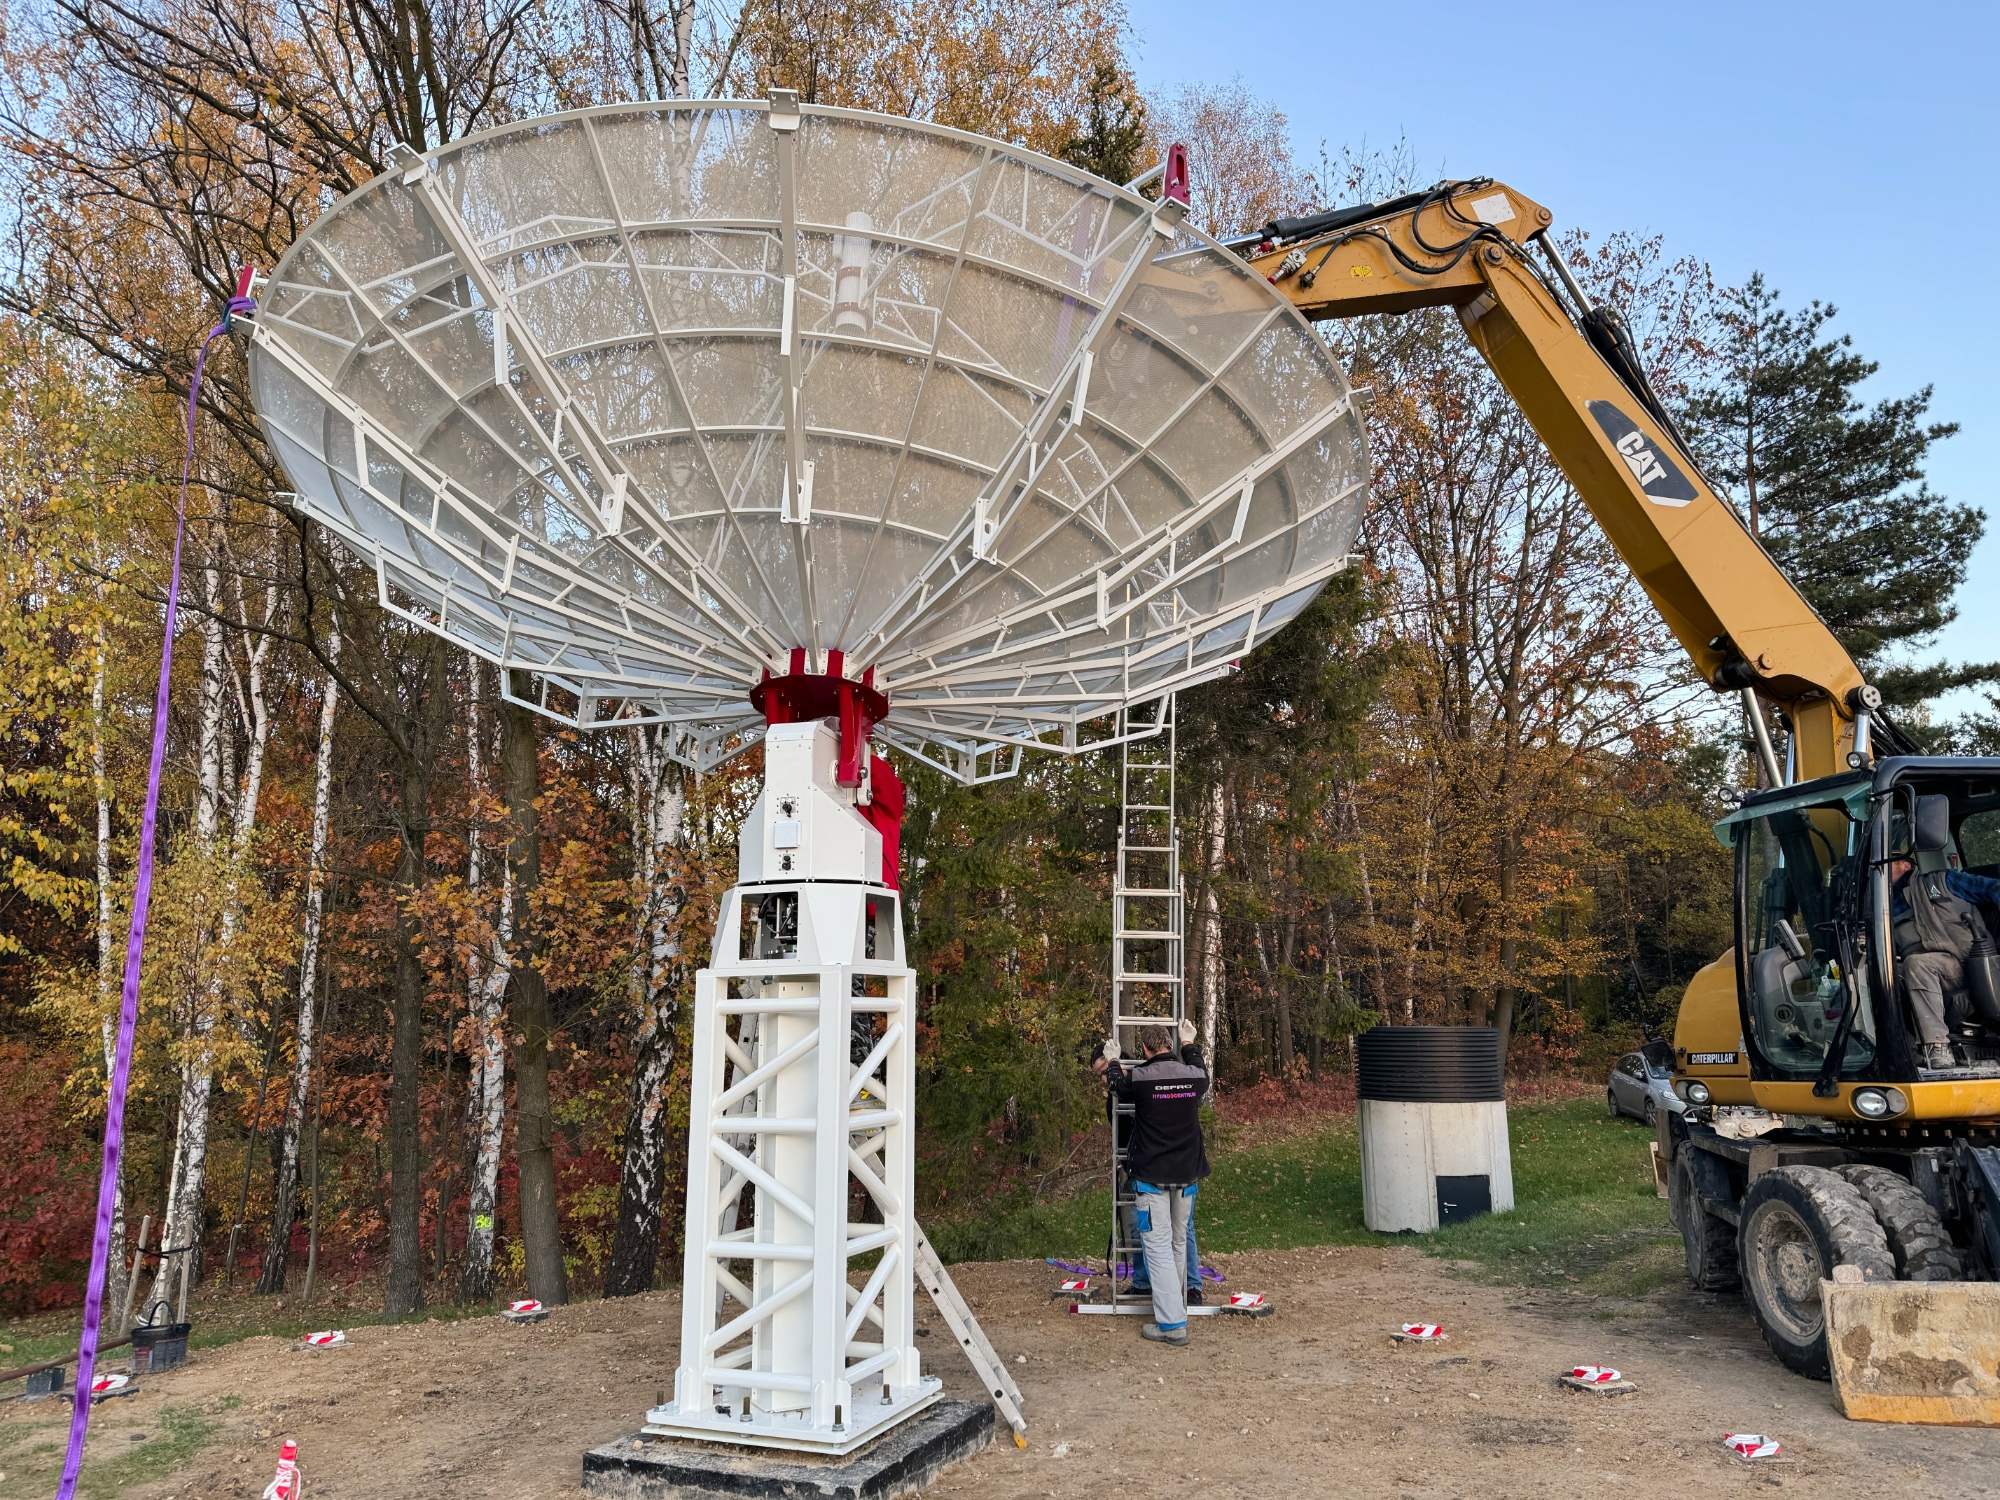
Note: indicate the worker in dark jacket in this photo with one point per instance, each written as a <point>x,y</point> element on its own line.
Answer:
<point>1166,1160</point>
<point>1935,920</point>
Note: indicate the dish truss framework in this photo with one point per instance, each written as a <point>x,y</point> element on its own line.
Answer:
<point>639,399</point>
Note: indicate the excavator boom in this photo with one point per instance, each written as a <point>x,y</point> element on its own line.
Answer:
<point>1467,246</point>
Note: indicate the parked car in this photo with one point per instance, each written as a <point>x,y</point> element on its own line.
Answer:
<point>1640,1086</point>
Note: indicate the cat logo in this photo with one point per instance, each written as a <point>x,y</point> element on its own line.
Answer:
<point>1640,459</point>
<point>1656,473</point>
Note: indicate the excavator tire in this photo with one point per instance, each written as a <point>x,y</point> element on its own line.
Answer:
<point>1917,1236</point>
<point>1708,1239</point>
<point>1798,1223</point>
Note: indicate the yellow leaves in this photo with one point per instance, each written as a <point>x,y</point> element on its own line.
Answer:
<point>65,894</point>
<point>1016,69</point>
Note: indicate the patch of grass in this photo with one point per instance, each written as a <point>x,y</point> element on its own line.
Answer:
<point>1585,1209</point>
<point>31,1455</point>
<point>1585,1212</point>
<point>218,1319</point>
<point>112,1463</point>
<point>248,1322</point>
<point>182,1433</point>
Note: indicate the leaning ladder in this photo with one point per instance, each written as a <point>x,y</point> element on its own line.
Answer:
<point>1148,935</point>
<point>991,1369</point>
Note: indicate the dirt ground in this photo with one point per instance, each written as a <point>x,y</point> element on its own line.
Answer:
<point>1315,1400</point>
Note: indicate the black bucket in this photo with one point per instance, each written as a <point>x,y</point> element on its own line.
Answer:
<point>1430,1065</point>
<point>159,1346</point>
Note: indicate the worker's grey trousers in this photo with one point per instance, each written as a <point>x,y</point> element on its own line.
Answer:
<point>1163,1214</point>
<point>1927,977</point>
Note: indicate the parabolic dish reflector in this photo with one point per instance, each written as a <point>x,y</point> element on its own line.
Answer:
<point>641,399</point>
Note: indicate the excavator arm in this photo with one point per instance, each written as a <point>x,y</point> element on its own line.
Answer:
<point>1465,245</point>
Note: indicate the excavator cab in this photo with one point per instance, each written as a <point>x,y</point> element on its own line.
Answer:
<point>1800,876</point>
<point>1822,872</point>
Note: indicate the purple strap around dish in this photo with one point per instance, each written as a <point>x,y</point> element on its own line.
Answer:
<point>135,944</point>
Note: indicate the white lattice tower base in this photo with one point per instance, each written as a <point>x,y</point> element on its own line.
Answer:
<point>800,1157</point>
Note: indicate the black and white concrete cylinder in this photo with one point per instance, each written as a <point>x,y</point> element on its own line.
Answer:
<point>1433,1127</point>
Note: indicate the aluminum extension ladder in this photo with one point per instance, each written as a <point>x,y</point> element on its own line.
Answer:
<point>1148,931</point>
<point>991,1369</point>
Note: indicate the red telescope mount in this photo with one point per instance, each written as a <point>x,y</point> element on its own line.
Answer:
<point>799,697</point>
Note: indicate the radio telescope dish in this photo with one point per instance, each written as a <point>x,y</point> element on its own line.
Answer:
<point>643,399</point>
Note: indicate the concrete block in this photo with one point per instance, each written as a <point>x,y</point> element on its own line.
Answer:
<point>902,1461</point>
<point>1914,1351</point>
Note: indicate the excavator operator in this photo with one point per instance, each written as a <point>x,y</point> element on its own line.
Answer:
<point>1936,923</point>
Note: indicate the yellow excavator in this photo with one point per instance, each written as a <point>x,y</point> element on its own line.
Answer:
<point>1857,1203</point>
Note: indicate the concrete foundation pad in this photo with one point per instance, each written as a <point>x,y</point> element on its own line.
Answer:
<point>902,1461</point>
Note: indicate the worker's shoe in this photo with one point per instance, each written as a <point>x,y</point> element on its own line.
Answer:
<point>1939,1055</point>
<point>1161,1335</point>
<point>1194,1296</point>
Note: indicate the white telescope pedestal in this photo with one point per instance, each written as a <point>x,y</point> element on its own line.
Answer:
<point>803,1079</point>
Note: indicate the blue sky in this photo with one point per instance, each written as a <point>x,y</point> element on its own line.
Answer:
<point>1849,152</point>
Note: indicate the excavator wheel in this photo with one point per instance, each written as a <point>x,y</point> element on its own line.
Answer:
<point>1798,1223</point>
<point>1709,1240</point>
<point>1917,1236</point>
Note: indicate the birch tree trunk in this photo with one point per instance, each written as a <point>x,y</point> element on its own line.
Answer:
<point>107,960</point>
<point>1381,995</point>
<point>683,11</point>
<point>181,1223</point>
<point>486,979</point>
<point>1211,924</point>
<point>217,791</point>
<point>284,1198</point>
<point>658,804</point>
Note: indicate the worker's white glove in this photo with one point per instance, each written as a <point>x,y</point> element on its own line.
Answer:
<point>1111,1049</point>
<point>1187,1033</point>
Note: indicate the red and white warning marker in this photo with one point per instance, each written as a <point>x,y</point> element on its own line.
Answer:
<point>1420,1333</point>
<point>103,1387</point>
<point>1248,1304</point>
<point>1751,1444</point>
<point>1242,1304</point>
<point>1599,1380</point>
<point>1076,1284</point>
<point>288,1485</point>
<point>526,1311</point>
<point>327,1338</point>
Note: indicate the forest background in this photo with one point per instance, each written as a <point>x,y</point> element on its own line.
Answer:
<point>418,986</point>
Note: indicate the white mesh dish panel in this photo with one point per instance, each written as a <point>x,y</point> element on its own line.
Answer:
<point>642,398</point>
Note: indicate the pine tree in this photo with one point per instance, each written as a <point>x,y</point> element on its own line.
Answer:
<point>1114,133</point>
<point>1835,488</point>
